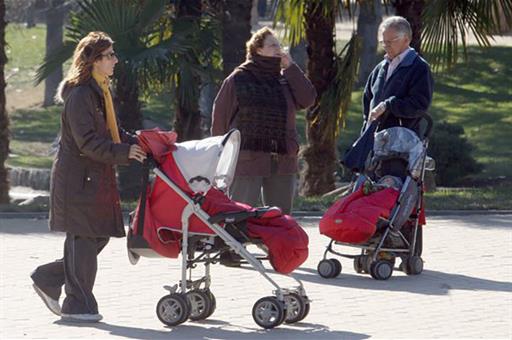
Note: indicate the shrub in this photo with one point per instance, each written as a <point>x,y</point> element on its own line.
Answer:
<point>452,153</point>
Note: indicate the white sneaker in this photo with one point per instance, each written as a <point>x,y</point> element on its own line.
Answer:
<point>52,304</point>
<point>81,317</point>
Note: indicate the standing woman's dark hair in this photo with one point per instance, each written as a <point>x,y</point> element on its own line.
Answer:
<point>84,201</point>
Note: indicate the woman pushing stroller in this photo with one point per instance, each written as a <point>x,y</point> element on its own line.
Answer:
<point>84,202</point>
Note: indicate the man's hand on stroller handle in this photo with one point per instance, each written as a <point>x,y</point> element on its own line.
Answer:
<point>136,153</point>
<point>377,111</point>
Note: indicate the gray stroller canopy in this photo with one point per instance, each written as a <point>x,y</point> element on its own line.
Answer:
<point>402,143</point>
<point>209,162</point>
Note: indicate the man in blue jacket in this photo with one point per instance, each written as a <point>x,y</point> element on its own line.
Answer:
<point>401,85</point>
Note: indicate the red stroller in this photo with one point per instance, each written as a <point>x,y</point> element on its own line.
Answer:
<point>384,213</point>
<point>185,210</point>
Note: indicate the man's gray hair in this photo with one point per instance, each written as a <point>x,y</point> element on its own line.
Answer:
<point>399,24</point>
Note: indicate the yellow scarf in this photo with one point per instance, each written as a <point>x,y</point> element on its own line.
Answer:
<point>103,82</point>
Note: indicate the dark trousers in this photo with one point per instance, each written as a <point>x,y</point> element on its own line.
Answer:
<point>76,271</point>
<point>275,190</point>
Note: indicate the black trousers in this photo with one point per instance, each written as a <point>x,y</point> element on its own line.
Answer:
<point>76,271</point>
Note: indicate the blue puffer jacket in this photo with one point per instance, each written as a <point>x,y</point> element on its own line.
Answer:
<point>407,93</point>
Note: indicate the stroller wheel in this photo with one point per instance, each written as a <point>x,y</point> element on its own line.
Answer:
<point>337,267</point>
<point>413,265</point>
<point>381,270</point>
<point>295,307</point>
<point>173,309</point>
<point>268,312</point>
<point>213,303</point>
<point>329,268</point>
<point>200,304</point>
<point>306,308</point>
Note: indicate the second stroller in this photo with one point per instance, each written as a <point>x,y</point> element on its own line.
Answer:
<point>383,215</point>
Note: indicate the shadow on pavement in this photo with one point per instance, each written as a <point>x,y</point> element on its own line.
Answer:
<point>191,331</point>
<point>430,282</point>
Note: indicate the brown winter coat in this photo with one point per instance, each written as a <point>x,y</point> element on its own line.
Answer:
<point>83,195</point>
<point>299,94</point>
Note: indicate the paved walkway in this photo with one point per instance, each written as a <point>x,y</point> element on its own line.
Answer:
<point>464,292</point>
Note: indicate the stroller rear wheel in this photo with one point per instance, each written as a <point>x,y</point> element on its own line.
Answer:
<point>381,269</point>
<point>268,312</point>
<point>413,265</point>
<point>173,309</point>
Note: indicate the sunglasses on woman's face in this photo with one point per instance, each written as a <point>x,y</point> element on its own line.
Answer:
<point>109,55</point>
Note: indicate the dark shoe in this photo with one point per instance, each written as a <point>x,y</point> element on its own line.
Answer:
<point>230,259</point>
<point>52,304</point>
<point>81,317</point>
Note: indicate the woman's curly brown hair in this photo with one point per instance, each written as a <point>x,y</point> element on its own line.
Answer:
<point>256,41</point>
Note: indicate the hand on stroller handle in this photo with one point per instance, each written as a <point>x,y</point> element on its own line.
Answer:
<point>136,153</point>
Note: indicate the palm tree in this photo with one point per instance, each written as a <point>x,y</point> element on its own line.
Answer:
<point>197,67</point>
<point>55,13</point>
<point>236,30</point>
<point>368,21</point>
<point>333,76</point>
<point>4,118</point>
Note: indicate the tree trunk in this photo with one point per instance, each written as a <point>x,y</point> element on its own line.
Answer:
<point>4,118</point>
<point>368,21</point>
<point>54,35</point>
<point>412,10</point>
<point>317,176</point>
<point>187,123</point>
<point>236,30</point>
<point>130,117</point>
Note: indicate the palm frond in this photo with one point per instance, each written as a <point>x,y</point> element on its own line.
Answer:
<point>54,60</point>
<point>448,24</point>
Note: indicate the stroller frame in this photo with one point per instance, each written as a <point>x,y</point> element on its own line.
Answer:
<point>186,299</point>
<point>375,258</point>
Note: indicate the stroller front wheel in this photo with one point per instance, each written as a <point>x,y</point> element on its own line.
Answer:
<point>200,303</point>
<point>173,309</point>
<point>268,312</point>
<point>295,307</point>
<point>329,268</point>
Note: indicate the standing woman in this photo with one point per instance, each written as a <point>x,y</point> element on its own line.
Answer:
<point>84,201</point>
<point>260,98</point>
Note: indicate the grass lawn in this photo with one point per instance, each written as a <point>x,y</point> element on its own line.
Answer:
<point>25,51</point>
<point>477,95</point>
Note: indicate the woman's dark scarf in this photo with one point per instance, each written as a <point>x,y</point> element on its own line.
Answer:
<point>262,108</point>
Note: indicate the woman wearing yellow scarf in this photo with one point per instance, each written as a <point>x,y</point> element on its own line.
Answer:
<point>84,201</point>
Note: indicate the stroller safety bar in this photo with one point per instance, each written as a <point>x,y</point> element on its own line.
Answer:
<point>233,217</point>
